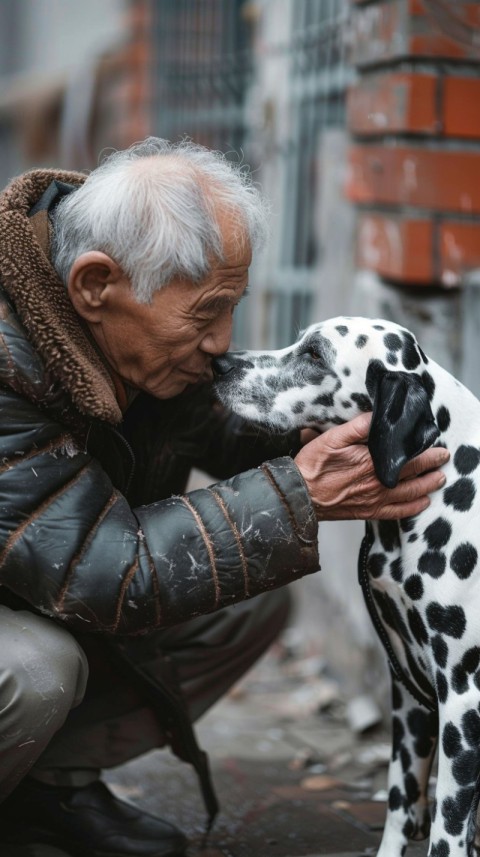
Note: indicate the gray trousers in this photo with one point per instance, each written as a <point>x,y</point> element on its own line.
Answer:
<point>65,712</point>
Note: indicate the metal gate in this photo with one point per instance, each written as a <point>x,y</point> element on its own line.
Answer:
<point>260,79</point>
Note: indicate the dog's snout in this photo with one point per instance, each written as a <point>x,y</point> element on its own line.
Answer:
<point>222,365</point>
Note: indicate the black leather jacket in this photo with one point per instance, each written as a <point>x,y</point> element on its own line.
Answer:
<point>94,528</point>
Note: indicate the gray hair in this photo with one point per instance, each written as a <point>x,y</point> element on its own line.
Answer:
<point>161,222</point>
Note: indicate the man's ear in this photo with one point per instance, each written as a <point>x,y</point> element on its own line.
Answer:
<point>88,281</point>
<point>402,424</point>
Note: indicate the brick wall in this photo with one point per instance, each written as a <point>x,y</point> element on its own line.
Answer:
<point>414,120</point>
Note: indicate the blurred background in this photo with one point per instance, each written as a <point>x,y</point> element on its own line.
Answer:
<point>360,121</point>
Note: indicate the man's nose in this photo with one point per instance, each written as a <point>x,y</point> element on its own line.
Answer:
<point>217,339</point>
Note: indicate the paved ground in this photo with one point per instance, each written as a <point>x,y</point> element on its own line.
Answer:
<point>292,777</point>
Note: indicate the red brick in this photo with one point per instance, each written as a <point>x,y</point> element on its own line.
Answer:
<point>393,30</point>
<point>461,108</point>
<point>428,178</point>
<point>459,250</point>
<point>394,102</point>
<point>397,248</point>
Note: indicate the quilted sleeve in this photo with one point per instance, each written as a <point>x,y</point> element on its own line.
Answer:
<point>72,547</point>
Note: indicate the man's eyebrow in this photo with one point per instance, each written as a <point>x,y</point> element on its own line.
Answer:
<point>223,301</point>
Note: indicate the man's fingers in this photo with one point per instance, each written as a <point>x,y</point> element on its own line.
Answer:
<point>355,431</point>
<point>403,510</point>
<point>432,458</point>
<point>411,489</point>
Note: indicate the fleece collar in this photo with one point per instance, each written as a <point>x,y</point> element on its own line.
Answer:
<point>41,300</point>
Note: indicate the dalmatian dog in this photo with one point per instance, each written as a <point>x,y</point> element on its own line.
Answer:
<point>421,575</point>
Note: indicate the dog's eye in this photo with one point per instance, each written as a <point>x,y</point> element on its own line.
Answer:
<point>313,354</point>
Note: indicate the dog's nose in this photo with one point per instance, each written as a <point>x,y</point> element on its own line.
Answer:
<point>222,365</point>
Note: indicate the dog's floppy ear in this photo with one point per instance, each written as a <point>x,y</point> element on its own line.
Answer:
<point>402,422</point>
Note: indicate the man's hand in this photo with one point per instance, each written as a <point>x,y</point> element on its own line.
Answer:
<point>338,470</point>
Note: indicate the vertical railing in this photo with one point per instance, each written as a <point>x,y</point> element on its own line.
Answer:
<point>201,73</point>
<point>208,60</point>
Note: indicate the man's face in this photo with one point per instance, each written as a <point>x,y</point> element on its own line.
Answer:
<point>164,346</point>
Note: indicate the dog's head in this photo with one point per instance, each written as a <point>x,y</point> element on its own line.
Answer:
<point>337,369</point>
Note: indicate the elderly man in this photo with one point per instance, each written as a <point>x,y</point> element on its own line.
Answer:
<point>120,614</point>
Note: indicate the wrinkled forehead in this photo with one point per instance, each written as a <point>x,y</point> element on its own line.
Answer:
<point>353,337</point>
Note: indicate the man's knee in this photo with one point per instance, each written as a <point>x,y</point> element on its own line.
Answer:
<point>42,670</point>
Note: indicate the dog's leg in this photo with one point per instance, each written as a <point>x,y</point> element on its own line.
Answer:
<point>456,798</point>
<point>414,740</point>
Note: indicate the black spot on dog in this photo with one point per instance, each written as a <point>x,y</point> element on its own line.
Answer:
<point>392,342</point>
<point>362,402</point>
<point>464,767</point>
<point>407,525</point>
<point>261,400</point>
<point>397,700</point>
<point>274,382</point>
<point>451,740</point>
<point>265,361</point>
<point>342,329</point>
<point>443,418</point>
<point>471,727</point>
<point>398,734</point>
<point>442,687</point>
<point>459,679</point>
<point>438,533</point>
<point>446,620</point>
<point>466,459</point>
<point>422,354</point>
<point>440,650</point>
<point>298,408</point>
<point>378,327</point>
<point>392,358</point>
<point>413,537</point>
<point>463,802</point>
<point>471,659</point>
<point>376,563</point>
<point>391,614</point>
<point>429,384</point>
<point>411,787</point>
<point>361,341</point>
<point>394,798</point>
<point>463,560</point>
<point>417,674</point>
<point>432,563</point>
<point>417,626</point>
<point>440,849</point>
<point>453,824</point>
<point>408,829</point>
<point>346,404</point>
<point>410,356</point>
<point>405,759</point>
<point>460,495</point>
<point>396,569</point>
<point>422,726</point>
<point>325,399</point>
<point>389,535</point>
<point>347,372</point>
<point>413,586</point>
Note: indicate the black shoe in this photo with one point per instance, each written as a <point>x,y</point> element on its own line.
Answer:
<point>85,822</point>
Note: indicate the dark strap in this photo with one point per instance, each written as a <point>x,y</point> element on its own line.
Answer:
<point>166,698</point>
<point>395,665</point>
